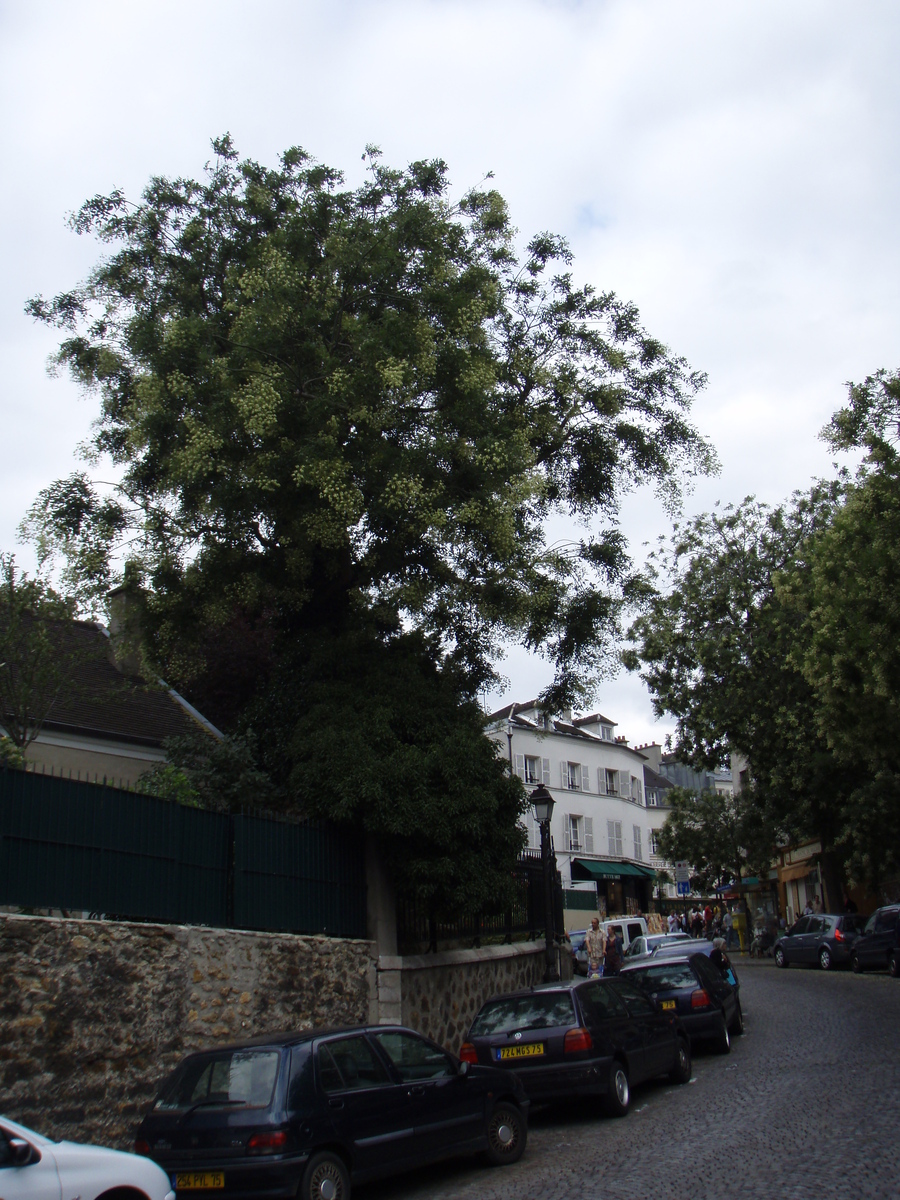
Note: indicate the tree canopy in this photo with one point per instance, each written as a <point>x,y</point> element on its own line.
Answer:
<point>772,631</point>
<point>328,400</point>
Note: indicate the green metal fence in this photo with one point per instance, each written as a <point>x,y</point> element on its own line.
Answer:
<point>98,849</point>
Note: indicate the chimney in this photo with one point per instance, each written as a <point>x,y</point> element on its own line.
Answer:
<point>653,754</point>
<point>125,605</point>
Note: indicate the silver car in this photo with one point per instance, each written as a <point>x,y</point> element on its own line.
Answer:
<point>643,947</point>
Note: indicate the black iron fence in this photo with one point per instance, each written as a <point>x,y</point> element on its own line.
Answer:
<point>420,930</point>
<point>93,848</point>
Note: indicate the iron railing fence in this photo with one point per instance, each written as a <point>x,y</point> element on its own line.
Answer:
<point>421,930</point>
<point>78,846</point>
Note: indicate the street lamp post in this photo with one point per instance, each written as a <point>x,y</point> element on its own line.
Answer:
<point>542,803</point>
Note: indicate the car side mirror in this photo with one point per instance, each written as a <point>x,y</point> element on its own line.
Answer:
<point>20,1152</point>
<point>463,1068</point>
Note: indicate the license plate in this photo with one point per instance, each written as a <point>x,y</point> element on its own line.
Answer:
<point>666,1004</point>
<point>532,1050</point>
<point>196,1181</point>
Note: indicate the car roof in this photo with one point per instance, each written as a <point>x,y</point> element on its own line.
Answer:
<point>296,1037</point>
<point>655,960</point>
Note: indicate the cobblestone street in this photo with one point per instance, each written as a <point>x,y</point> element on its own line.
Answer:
<point>804,1108</point>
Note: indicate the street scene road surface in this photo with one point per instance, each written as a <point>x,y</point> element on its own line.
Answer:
<point>803,1108</point>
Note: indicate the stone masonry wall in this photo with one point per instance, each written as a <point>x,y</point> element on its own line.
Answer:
<point>439,994</point>
<point>93,1013</point>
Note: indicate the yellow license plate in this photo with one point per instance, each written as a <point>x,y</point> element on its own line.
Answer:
<point>195,1181</point>
<point>531,1051</point>
<point>664,1004</point>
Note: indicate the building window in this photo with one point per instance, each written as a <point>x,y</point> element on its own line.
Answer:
<point>606,733</point>
<point>638,849</point>
<point>575,777</point>
<point>579,834</point>
<point>654,843</point>
<point>613,783</point>
<point>614,836</point>
<point>532,770</point>
<point>652,798</point>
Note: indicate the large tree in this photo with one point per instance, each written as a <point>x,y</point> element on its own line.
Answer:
<point>849,599</point>
<point>717,646</point>
<point>337,409</point>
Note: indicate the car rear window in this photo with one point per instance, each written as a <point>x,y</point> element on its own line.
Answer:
<point>230,1078</point>
<point>543,1010</point>
<point>663,977</point>
<point>853,923</point>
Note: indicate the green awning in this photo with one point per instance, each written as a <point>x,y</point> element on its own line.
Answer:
<point>586,869</point>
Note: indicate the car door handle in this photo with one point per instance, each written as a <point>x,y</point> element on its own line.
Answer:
<point>335,1103</point>
<point>418,1090</point>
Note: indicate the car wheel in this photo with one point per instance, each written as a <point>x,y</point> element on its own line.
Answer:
<point>825,960</point>
<point>723,1040</point>
<point>855,965</point>
<point>780,959</point>
<point>507,1133</point>
<point>618,1095</point>
<point>894,965</point>
<point>737,1024</point>
<point>681,1072</point>
<point>326,1178</point>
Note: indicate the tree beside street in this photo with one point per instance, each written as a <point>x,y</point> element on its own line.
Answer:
<point>350,417</point>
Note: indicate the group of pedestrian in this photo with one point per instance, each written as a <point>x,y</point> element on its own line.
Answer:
<point>708,922</point>
<point>604,949</point>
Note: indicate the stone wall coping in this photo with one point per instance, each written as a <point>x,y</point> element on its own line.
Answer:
<point>450,958</point>
<point>174,930</point>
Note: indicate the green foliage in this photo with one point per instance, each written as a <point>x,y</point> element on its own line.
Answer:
<point>324,400</point>
<point>208,772</point>
<point>371,731</point>
<point>11,755</point>
<point>34,665</point>
<point>720,836</point>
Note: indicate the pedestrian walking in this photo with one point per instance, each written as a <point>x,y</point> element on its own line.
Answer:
<point>613,960</point>
<point>595,948</point>
<point>728,927</point>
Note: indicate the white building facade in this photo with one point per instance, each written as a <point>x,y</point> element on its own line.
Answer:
<point>601,827</point>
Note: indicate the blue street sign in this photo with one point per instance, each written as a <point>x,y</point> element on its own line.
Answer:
<point>683,889</point>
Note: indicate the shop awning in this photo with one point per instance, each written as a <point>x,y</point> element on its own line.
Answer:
<point>590,868</point>
<point>796,871</point>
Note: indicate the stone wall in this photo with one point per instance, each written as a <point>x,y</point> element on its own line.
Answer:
<point>94,1013</point>
<point>439,994</point>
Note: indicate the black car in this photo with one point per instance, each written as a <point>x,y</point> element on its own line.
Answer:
<point>599,1037</point>
<point>826,939</point>
<point>301,1115</point>
<point>693,988</point>
<point>878,946</point>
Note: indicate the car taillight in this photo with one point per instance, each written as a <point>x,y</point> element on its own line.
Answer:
<point>699,999</point>
<point>468,1053</point>
<point>142,1147</point>
<point>577,1039</point>
<point>837,935</point>
<point>267,1143</point>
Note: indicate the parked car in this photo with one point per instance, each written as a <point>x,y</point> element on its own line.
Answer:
<point>826,938</point>
<point>878,945</point>
<point>693,946</point>
<point>691,987</point>
<point>38,1168</point>
<point>579,954</point>
<point>305,1114</point>
<point>600,1037</point>
<point>644,945</point>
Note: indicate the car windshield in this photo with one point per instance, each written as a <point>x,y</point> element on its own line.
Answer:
<point>542,1010</point>
<point>665,977</point>
<point>230,1078</point>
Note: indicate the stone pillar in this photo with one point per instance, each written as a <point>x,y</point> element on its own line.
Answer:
<point>381,906</point>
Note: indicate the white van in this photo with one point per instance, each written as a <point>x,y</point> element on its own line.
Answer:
<point>630,927</point>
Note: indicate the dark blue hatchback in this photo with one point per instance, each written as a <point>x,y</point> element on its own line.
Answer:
<point>304,1114</point>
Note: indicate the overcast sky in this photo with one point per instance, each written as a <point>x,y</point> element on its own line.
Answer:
<point>730,168</point>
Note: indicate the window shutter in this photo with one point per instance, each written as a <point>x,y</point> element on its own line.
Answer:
<point>640,791</point>
<point>611,836</point>
<point>564,774</point>
<point>567,832</point>
<point>589,835</point>
<point>520,766</point>
<point>585,778</point>
<point>545,771</point>
<point>601,780</point>
<point>534,839</point>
